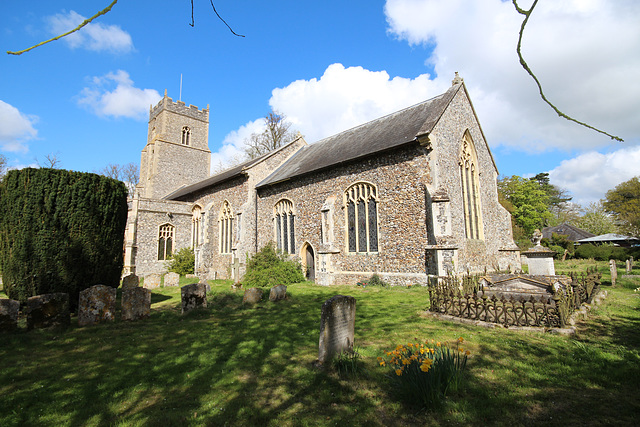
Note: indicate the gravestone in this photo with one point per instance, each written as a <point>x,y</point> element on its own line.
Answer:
<point>277,293</point>
<point>337,327</point>
<point>193,296</point>
<point>136,303</point>
<point>628,266</point>
<point>614,271</point>
<point>152,281</point>
<point>9,314</point>
<point>97,304</point>
<point>130,281</point>
<point>171,279</point>
<point>48,310</point>
<point>252,296</point>
<point>235,269</point>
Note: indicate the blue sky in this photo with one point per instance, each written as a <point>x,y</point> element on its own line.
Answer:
<point>328,66</point>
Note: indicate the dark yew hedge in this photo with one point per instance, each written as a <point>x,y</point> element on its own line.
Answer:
<point>60,231</point>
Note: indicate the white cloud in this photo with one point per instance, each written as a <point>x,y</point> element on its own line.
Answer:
<point>16,128</point>
<point>584,53</point>
<point>114,95</point>
<point>232,150</point>
<point>590,175</point>
<point>346,97</point>
<point>94,36</point>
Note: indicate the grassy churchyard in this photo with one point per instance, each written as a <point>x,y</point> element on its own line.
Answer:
<point>235,365</point>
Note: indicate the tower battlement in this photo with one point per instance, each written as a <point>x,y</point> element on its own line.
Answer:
<point>179,107</point>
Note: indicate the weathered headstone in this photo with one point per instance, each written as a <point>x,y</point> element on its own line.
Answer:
<point>628,266</point>
<point>252,296</point>
<point>130,281</point>
<point>337,327</point>
<point>171,279</point>
<point>614,271</point>
<point>152,281</point>
<point>97,304</point>
<point>193,296</point>
<point>191,276</point>
<point>48,310</point>
<point>136,303</point>
<point>9,314</point>
<point>277,293</point>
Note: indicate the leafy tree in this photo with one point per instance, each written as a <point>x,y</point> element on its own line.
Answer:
<point>277,132</point>
<point>558,201</point>
<point>528,203</point>
<point>623,202</point>
<point>270,267</point>
<point>182,262</point>
<point>596,220</point>
<point>129,174</point>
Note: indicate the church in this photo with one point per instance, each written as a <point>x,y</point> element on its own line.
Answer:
<point>405,196</point>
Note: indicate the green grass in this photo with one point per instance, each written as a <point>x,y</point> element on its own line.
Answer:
<point>235,365</point>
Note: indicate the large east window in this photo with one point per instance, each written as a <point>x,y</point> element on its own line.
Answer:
<point>284,217</point>
<point>166,236</point>
<point>361,203</point>
<point>470,189</point>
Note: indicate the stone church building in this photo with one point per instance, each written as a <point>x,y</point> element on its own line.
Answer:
<point>405,196</point>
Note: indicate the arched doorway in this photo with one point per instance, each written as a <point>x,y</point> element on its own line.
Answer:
<point>310,263</point>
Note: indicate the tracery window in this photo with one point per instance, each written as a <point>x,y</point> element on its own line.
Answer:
<point>470,189</point>
<point>284,216</point>
<point>226,231</point>
<point>186,135</point>
<point>196,226</point>
<point>361,202</point>
<point>166,236</point>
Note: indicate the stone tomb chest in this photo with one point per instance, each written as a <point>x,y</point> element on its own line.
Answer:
<point>517,285</point>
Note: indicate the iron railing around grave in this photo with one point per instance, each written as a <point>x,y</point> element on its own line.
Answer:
<point>465,298</point>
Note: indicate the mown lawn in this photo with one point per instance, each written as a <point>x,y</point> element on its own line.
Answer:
<point>236,365</point>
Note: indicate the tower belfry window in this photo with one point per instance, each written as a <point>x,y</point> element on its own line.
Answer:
<point>186,135</point>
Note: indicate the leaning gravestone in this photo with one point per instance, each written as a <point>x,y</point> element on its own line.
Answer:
<point>171,279</point>
<point>48,310</point>
<point>193,296</point>
<point>130,281</point>
<point>97,304</point>
<point>152,281</point>
<point>9,314</point>
<point>614,271</point>
<point>252,296</point>
<point>277,293</point>
<point>136,303</point>
<point>337,327</point>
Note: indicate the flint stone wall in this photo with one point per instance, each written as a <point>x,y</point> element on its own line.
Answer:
<point>97,304</point>
<point>136,303</point>
<point>193,296</point>
<point>171,279</point>
<point>337,327</point>
<point>9,314</point>
<point>48,310</point>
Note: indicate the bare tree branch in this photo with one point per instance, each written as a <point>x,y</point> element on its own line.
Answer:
<point>85,22</point>
<point>527,14</point>
<point>225,22</point>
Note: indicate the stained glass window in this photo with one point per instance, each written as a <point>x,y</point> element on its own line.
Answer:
<point>285,226</point>
<point>226,230</point>
<point>165,241</point>
<point>362,218</point>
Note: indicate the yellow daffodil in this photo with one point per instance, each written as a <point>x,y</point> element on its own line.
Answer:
<point>468,352</point>
<point>460,339</point>
<point>398,372</point>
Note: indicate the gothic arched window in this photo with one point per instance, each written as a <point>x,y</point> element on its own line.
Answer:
<point>226,231</point>
<point>166,236</point>
<point>196,226</point>
<point>470,189</point>
<point>285,226</point>
<point>186,135</point>
<point>361,202</point>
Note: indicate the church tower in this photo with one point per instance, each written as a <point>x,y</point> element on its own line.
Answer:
<point>177,151</point>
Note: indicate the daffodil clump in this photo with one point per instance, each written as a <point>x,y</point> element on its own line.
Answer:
<point>426,371</point>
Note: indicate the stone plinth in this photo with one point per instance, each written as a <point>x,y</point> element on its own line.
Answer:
<point>171,279</point>
<point>130,281</point>
<point>152,281</point>
<point>540,261</point>
<point>9,314</point>
<point>97,304</point>
<point>193,296</point>
<point>252,296</point>
<point>48,310</point>
<point>337,327</point>
<point>136,303</point>
<point>278,293</point>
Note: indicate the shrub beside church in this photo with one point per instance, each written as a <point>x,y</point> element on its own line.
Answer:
<point>60,231</point>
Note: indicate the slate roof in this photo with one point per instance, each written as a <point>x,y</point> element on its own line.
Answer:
<point>573,233</point>
<point>612,238</point>
<point>379,135</point>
